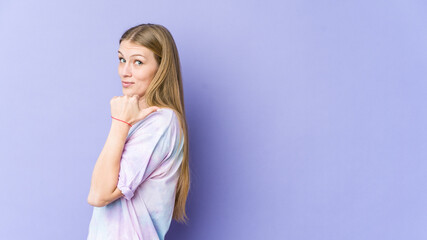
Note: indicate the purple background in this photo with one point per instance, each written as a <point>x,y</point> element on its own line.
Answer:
<point>307,119</point>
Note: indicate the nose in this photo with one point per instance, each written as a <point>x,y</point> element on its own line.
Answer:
<point>125,70</point>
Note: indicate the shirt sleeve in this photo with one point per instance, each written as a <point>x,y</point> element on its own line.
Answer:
<point>144,151</point>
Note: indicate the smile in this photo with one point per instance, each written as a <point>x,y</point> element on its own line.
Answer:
<point>127,84</point>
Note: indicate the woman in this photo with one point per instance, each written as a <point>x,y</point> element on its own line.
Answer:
<point>141,178</point>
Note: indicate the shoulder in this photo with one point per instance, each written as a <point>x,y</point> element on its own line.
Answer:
<point>163,115</point>
<point>158,119</point>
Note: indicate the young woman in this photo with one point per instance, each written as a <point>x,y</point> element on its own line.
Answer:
<point>141,178</point>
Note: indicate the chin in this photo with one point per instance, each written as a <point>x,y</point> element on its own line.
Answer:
<point>125,92</point>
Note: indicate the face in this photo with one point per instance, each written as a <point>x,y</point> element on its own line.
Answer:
<point>138,66</point>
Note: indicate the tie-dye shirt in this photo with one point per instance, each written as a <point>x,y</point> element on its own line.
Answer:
<point>149,171</point>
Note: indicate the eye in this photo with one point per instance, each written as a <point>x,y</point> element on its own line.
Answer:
<point>139,62</point>
<point>120,59</point>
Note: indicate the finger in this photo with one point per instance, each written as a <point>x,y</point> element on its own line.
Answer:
<point>152,109</point>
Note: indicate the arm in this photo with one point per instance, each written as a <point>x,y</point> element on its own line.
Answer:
<point>103,189</point>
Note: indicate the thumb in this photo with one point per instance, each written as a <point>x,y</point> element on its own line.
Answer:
<point>147,111</point>
<point>154,108</point>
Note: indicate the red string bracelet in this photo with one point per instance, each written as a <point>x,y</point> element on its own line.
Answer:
<point>122,121</point>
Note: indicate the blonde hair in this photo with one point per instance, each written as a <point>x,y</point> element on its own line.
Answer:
<point>166,90</point>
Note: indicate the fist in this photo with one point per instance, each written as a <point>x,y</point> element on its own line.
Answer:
<point>128,108</point>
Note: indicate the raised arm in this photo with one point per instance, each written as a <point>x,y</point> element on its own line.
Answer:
<point>103,189</point>
<point>105,176</point>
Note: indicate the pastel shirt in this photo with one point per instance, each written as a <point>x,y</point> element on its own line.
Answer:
<point>149,171</point>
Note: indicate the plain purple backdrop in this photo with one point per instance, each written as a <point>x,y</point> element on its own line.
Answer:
<point>307,119</point>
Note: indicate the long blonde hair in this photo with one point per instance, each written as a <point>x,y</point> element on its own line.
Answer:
<point>166,90</point>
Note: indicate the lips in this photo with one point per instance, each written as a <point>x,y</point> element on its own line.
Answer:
<point>127,84</point>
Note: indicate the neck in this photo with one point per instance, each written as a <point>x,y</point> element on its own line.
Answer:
<point>142,103</point>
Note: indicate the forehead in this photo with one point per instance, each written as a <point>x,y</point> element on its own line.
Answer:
<point>129,48</point>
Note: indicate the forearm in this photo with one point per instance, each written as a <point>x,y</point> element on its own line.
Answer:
<point>106,171</point>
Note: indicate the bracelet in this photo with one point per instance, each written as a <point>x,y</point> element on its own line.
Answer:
<point>122,121</point>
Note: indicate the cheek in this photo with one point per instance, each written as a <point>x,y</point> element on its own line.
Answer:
<point>153,71</point>
<point>144,75</point>
<point>140,76</point>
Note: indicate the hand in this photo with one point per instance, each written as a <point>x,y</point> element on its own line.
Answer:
<point>127,108</point>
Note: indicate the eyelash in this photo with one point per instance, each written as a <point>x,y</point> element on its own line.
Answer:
<point>135,60</point>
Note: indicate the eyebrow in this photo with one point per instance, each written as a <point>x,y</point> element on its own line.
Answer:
<point>133,55</point>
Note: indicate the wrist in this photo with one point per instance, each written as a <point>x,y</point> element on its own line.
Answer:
<point>119,129</point>
<point>119,119</point>
<point>123,125</point>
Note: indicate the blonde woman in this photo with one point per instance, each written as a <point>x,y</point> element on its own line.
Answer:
<point>141,179</point>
